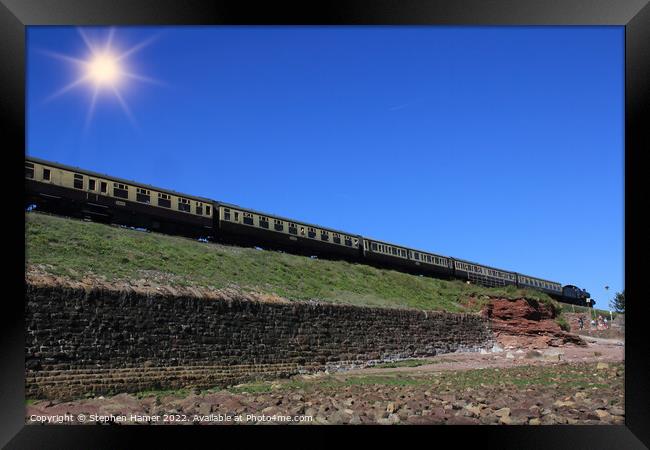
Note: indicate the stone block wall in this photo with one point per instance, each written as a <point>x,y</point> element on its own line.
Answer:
<point>97,341</point>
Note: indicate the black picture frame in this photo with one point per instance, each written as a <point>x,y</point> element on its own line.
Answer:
<point>634,15</point>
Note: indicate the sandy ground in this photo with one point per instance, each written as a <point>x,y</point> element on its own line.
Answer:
<point>597,350</point>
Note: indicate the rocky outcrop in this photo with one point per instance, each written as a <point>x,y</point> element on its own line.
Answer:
<point>527,323</point>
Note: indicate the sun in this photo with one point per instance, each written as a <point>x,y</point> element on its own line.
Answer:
<point>103,69</point>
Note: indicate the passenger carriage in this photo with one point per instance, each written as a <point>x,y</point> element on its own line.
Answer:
<point>249,227</point>
<point>81,193</point>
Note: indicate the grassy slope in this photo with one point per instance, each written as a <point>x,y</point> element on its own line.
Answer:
<point>72,248</point>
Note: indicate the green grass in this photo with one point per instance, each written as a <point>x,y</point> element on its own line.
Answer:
<point>73,248</point>
<point>158,393</point>
<point>578,376</point>
<point>328,382</point>
<point>561,321</point>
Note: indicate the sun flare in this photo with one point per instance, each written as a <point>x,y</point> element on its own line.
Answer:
<point>103,70</point>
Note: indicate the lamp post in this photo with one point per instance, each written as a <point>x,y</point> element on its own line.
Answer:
<point>610,311</point>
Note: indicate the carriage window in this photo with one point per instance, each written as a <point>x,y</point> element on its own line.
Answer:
<point>416,256</point>
<point>143,195</point>
<point>278,225</point>
<point>264,222</point>
<point>207,210</point>
<point>293,229</point>
<point>311,232</point>
<point>183,204</point>
<point>78,181</point>
<point>164,200</point>
<point>373,246</point>
<point>248,218</point>
<point>103,187</point>
<point>120,190</point>
<point>226,214</point>
<point>29,170</point>
<point>348,241</point>
<point>91,184</point>
<point>46,174</point>
<point>324,236</point>
<point>302,231</point>
<point>199,208</point>
<point>336,238</point>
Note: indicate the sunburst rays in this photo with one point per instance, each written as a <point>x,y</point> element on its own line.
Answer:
<point>104,70</point>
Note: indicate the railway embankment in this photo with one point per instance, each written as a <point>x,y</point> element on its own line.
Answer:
<point>94,253</point>
<point>112,310</point>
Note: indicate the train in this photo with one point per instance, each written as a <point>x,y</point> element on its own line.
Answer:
<point>61,189</point>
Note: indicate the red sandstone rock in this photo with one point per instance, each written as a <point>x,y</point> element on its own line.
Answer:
<point>527,323</point>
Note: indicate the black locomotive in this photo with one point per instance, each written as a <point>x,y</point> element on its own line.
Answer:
<point>62,189</point>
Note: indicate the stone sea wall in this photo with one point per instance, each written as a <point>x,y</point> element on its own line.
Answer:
<point>99,341</point>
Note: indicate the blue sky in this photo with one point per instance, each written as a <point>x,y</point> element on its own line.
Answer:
<point>501,145</point>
